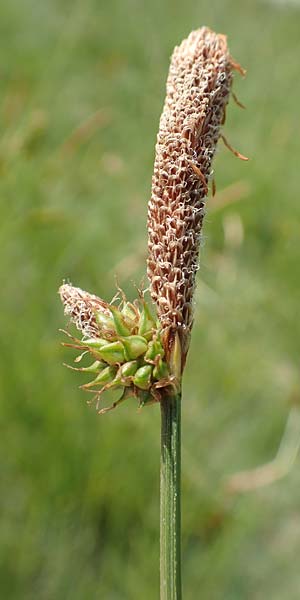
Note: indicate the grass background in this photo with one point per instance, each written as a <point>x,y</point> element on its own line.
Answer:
<point>82,86</point>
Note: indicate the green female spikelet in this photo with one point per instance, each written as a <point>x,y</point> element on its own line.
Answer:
<point>123,342</point>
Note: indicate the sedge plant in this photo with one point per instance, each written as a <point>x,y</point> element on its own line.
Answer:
<point>132,351</point>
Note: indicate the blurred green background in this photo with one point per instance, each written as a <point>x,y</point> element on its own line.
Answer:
<point>82,87</point>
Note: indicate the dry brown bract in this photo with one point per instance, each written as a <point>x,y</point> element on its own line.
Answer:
<point>198,89</point>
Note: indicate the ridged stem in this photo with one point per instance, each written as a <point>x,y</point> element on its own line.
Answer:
<point>170,492</point>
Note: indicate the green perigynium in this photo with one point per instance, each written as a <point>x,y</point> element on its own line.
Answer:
<point>124,344</point>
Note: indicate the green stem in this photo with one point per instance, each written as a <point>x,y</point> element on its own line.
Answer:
<point>170,491</point>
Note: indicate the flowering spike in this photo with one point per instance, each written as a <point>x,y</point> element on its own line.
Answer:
<point>198,89</point>
<point>124,358</point>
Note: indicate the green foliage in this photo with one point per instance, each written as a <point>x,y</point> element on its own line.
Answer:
<point>82,86</point>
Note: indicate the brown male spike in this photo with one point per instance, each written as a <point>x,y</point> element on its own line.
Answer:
<point>198,89</point>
